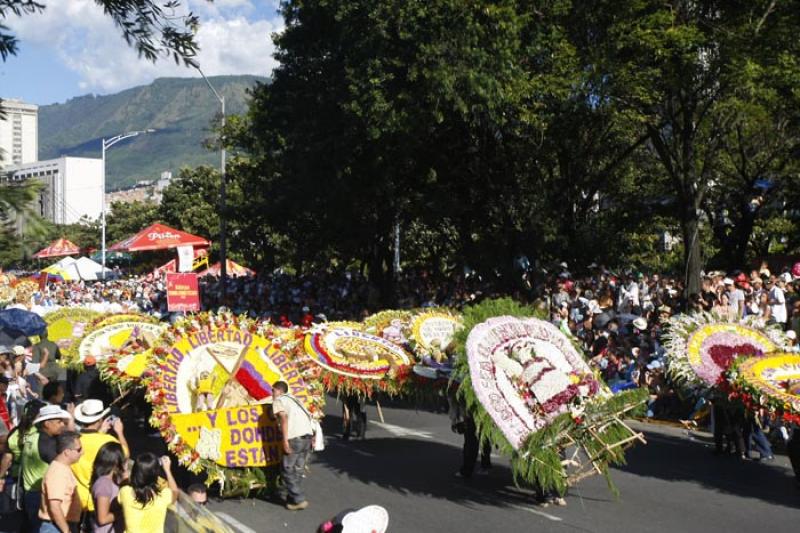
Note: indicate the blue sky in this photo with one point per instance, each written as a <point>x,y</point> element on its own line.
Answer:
<point>73,49</point>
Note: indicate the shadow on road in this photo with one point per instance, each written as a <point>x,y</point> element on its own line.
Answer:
<point>727,474</point>
<point>421,467</point>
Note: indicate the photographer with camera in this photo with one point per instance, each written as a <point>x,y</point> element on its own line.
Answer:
<point>96,427</point>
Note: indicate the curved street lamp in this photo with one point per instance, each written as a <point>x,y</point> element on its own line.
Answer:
<point>108,143</point>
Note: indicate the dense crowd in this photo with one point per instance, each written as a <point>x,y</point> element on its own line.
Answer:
<point>62,438</point>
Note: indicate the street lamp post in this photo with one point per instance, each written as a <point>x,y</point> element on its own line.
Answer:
<point>108,143</point>
<point>223,223</point>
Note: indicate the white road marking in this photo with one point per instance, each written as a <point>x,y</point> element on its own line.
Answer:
<point>399,431</point>
<point>540,513</point>
<point>235,523</point>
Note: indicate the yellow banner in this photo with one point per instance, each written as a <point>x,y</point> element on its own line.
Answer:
<point>234,437</point>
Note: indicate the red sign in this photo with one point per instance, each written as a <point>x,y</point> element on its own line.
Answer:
<point>182,292</point>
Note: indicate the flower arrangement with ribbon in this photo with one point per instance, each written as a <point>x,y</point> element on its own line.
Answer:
<point>24,289</point>
<point>68,324</point>
<point>209,380</point>
<point>7,295</point>
<point>771,382</point>
<point>108,335</point>
<point>392,325</point>
<point>533,395</point>
<point>355,362</point>
<point>701,347</point>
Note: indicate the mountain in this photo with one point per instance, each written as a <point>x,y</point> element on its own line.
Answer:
<point>181,110</point>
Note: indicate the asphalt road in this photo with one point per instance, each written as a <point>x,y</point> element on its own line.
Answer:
<point>672,484</point>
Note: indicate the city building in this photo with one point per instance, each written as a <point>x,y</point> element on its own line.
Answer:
<point>19,133</point>
<point>72,187</point>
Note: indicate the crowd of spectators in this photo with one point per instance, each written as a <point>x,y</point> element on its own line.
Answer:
<point>620,319</point>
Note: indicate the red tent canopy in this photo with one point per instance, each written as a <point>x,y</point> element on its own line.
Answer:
<point>233,269</point>
<point>158,237</point>
<point>58,248</point>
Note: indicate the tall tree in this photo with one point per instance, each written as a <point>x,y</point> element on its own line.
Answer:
<point>675,67</point>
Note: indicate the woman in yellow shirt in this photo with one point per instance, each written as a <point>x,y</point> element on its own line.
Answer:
<point>145,501</point>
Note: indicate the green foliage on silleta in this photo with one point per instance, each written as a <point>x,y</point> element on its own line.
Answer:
<point>183,111</point>
<point>539,462</point>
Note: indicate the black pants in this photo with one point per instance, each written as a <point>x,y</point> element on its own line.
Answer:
<point>730,425</point>
<point>471,448</point>
<point>358,415</point>
<point>793,449</point>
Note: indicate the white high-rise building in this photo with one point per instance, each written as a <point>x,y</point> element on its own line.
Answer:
<point>19,133</point>
<point>72,187</point>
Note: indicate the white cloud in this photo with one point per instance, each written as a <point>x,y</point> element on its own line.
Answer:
<point>231,39</point>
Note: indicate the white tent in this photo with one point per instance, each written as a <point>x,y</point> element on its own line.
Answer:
<point>83,268</point>
<point>89,270</point>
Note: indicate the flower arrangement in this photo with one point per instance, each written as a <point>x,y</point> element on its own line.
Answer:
<point>701,347</point>
<point>24,289</point>
<point>533,396</point>
<point>771,383</point>
<point>72,354</point>
<point>7,295</point>
<point>66,325</point>
<point>354,362</point>
<point>233,481</point>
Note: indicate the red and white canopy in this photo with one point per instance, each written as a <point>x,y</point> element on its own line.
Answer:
<point>159,237</point>
<point>58,248</point>
<point>233,269</point>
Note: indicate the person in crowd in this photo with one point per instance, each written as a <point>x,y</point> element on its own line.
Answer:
<point>754,435</point>
<point>354,415</point>
<point>297,430</point>
<point>88,384</point>
<point>60,508</point>
<point>146,498</point>
<point>38,451</point>
<point>777,301</point>
<point>198,493</point>
<point>109,472</point>
<point>53,393</point>
<point>47,354</point>
<point>11,461</point>
<point>95,423</point>
<point>5,414</point>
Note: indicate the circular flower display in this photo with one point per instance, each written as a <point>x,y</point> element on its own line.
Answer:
<point>525,373</point>
<point>772,382</point>
<point>112,335</point>
<point>209,379</point>
<point>701,347</point>
<point>66,325</point>
<point>353,353</point>
<point>7,295</point>
<point>432,333</point>
<point>24,289</point>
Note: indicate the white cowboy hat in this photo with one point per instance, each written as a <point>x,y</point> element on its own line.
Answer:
<point>90,411</point>
<point>369,519</point>
<point>640,323</point>
<point>18,350</point>
<point>51,412</point>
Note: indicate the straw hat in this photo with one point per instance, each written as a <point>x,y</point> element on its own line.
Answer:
<point>51,412</point>
<point>369,519</point>
<point>90,411</point>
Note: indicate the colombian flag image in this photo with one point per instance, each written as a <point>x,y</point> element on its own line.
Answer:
<point>255,374</point>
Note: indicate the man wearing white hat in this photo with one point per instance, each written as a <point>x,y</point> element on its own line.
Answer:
<point>95,424</point>
<point>38,451</point>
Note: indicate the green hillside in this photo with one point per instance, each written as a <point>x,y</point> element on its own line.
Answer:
<point>181,110</point>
